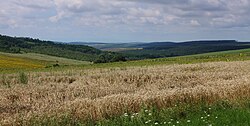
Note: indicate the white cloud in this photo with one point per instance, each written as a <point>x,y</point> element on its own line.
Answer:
<point>194,23</point>
<point>162,15</point>
<point>150,12</point>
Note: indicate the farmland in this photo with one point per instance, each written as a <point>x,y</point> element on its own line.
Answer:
<point>32,61</point>
<point>124,63</point>
<point>17,62</point>
<point>171,91</point>
<point>44,61</point>
<point>102,93</point>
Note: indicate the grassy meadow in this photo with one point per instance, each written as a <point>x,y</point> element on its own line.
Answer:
<point>205,89</point>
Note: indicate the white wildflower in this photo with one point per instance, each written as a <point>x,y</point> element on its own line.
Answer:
<point>125,114</point>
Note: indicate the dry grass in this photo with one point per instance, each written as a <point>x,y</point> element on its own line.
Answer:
<point>101,93</point>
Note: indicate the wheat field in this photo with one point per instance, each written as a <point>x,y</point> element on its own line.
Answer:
<point>95,94</point>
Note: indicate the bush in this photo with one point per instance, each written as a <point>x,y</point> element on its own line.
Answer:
<point>109,57</point>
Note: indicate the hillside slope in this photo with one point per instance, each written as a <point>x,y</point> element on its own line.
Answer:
<point>10,61</point>
<point>78,52</point>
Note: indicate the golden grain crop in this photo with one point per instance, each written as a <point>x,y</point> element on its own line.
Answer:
<point>100,93</point>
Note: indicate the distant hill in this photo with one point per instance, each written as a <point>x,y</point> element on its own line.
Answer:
<point>135,51</point>
<point>107,52</point>
<point>170,49</point>
<point>164,45</point>
<point>78,52</point>
<point>107,46</point>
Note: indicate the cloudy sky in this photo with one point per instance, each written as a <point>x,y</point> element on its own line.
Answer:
<point>126,20</point>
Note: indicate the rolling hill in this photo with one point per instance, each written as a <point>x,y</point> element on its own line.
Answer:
<point>168,49</point>
<point>77,52</point>
<point>108,46</point>
<point>135,51</point>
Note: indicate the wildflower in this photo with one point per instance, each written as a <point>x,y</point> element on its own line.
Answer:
<point>135,114</point>
<point>125,114</point>
<point>146,110</point>
<point>146,122</point>
<point>164,122</point>
<point>156,123</point>
<point>209,108</point>
<point>149,114</point>
<point>201,117</point>
<point>208,115</point>
<point>188,121</point>
<point>216,117</point>
<point>169,122</point>
<point>177,122</point>
<point>210,125</point>
<point>132,116</point>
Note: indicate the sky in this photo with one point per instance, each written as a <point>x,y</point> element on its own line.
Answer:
<point>126,20</point>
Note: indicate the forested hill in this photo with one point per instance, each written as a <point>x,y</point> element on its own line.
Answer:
<point>170,49</point>
<point>79,52</point>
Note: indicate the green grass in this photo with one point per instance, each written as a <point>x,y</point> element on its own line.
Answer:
<point>218,114</point>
